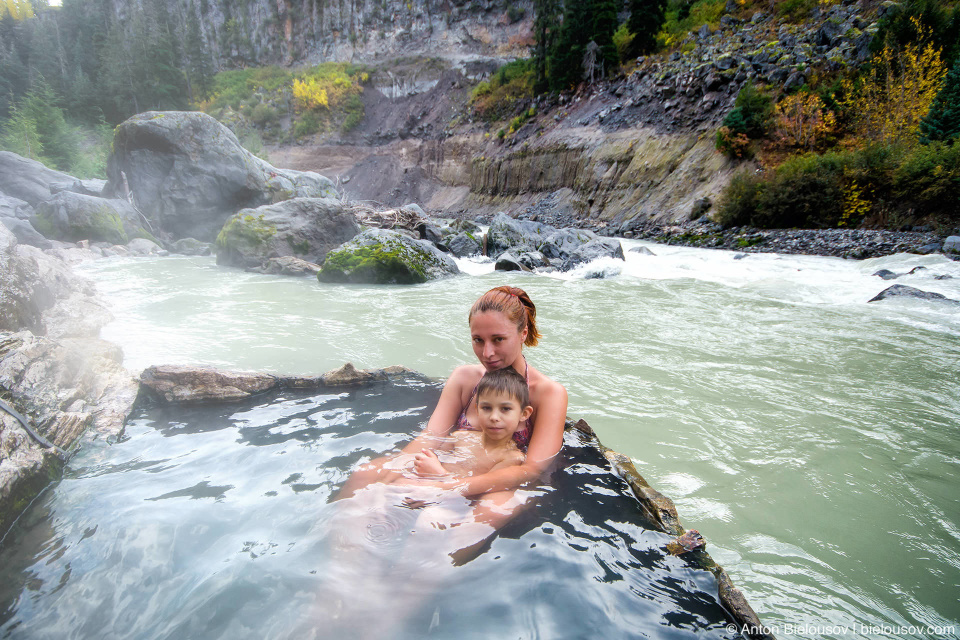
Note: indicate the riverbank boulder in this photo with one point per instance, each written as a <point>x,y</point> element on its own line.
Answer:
<point>903,291</point>
<point>378,256</point>
<point>29,180</point>
<point>507,234</point>
<point>188,173</point>
<point>305,228</point>
<point>70,217</point>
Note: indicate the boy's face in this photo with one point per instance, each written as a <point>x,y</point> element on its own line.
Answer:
<point>500,414</point>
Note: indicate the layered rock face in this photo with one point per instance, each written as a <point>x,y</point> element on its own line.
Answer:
<point>188,173</point>
<point>53,369</point>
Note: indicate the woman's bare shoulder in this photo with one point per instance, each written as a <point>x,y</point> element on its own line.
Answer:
<point>466,375</point>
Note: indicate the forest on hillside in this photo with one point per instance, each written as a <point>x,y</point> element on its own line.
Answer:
<point>866,144</point>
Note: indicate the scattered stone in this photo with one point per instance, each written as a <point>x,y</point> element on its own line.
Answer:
<point>509,262</point>
<point>886,274</point>
<point>644,251</point>
<point>379,256</point>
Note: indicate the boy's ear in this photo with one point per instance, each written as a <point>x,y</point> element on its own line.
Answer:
<point>527,412</point>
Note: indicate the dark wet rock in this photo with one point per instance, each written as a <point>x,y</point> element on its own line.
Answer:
<point>379,256</point>
<point>25,232</point>
<point>464,244</point>
<point>289,266</point>
<point>644,251</point>
<point>951,244</point>
<point>927,249</point>
<point>430,232</point>
<point>70,217</point>
<point>903,291</point>
<point>943,276</point>
<point>29,180</point>
<point>886,274</point>
<point>306,228</point>
<point>188,173</point>
<point>192,247</point>
<point>596,248</point>
<point>916,270</point>
<point>509,262</point>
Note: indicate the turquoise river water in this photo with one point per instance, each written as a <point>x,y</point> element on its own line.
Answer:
<point>811,437</point>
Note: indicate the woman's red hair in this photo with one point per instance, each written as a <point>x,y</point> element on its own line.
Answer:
<point>516,305</point>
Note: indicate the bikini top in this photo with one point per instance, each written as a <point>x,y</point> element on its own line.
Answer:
<point>521,436</point>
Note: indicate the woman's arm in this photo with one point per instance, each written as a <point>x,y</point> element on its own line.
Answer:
<point>447,411</point>
<point>544,446</point>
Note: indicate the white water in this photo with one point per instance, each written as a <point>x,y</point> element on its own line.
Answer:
<point>810,436</point>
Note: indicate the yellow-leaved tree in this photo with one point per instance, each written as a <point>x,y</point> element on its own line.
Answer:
<point>802,120</point>
<point>896,94</point>
<point>308,94</point>
<point>18,9</point>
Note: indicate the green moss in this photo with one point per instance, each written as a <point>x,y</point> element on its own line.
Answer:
<point>300,248</point>
<point>143,233</point>
<point>748,242</point>
<point>103,225</point>
<point>245,231</point>
<point>388,262</point>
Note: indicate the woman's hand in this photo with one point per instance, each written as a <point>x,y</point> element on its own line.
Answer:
<point>427,465</point>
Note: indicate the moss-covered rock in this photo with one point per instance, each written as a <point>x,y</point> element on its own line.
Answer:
<point>378,256</point>
<point>73,216</point>
<point>306,228</point>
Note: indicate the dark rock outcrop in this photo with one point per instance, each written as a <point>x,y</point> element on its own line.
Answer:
<point>903,291</point>
<point>188,173</point>
<point>306,228</point>
<point>464,245</point>
<point>506,233</point>
<point>379,256</point>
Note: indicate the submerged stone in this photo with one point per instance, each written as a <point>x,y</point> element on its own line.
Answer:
<point>903,291</point>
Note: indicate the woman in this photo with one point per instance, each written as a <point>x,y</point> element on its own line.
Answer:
<point>502,321</point>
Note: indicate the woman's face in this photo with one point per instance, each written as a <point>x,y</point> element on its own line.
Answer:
<point>495,340</point>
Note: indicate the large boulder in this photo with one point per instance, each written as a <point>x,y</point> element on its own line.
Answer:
<point>189,173</point>
<point>70,217</point>
<point>378,256</point>
<point>306,228</point>
<point>506,234</point>
<point>29,180</point>
<point>25,232</point>
<point>563,242</point>
<point>596,248</point>
<point>11,207</point>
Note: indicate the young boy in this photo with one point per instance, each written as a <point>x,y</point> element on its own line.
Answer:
<point>503,403</point>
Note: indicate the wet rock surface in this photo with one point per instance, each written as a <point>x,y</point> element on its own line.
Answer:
<point>72,216</point>
<point>903,291</point>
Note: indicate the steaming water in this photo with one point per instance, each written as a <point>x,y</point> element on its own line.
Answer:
<point>810,436</point>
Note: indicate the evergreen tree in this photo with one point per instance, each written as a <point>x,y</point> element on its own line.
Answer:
<point>942,122</point>
<point>545,22</point>
<point>566,70</point>
<point>197,59</point>
<point>60,144</point>
<point>646,18</point>
<point>603,25</point>
<point>20,136</point>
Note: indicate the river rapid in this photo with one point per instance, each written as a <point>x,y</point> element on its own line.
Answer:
<point>811,437</point>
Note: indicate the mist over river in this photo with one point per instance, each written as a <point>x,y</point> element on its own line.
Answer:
<point>811,437</point>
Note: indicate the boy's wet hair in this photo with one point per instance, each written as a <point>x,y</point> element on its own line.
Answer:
<point>506,381</point>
